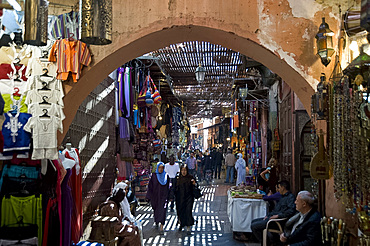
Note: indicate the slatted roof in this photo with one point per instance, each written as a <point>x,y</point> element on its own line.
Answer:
<point>222,65</point>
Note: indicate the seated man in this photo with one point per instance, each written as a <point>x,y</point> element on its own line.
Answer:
<point>285,208</point>
<point>272,198</point>
<point>303,228</point>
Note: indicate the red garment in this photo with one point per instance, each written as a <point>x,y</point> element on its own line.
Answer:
<point>75,182</point>
<point>51,202</point>
<point>6,71</point>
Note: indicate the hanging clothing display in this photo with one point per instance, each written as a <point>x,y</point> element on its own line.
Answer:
<point>12,102</point>
<point>28,209</point>
<point>15,137</point>
<point>70,56</point>
<point>67,203</point>
<point>52,109</point>
<point>44,134</point>
<point>9,71</point>
<point>76,187</point>
<point>40,82</point>
<point>10,54</point>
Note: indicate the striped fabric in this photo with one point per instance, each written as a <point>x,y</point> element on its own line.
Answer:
<point>64,25</point>
<point>70,56</point>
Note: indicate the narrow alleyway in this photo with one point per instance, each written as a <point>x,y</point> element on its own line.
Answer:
<point>212,227</point>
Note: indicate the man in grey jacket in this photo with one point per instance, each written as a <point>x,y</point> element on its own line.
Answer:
<point>230,165</point>
<point>285,208</point>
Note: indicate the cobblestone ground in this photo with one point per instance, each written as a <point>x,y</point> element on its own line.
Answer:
<point>212,224</point>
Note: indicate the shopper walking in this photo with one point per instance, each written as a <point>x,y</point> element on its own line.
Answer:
<point>191,162</point>
<point>200,161</point>
<point>218,163</point>
<point>157,194</point>
<point>185,199</point>
<point>172,169</point>
<point>207,167</point>
<point>240,166</point>
<point>230,164</point>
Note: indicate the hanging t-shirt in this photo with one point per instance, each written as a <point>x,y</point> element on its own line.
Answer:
<point>70,57</point>
<point>14,103</point>
<point>37,109</point>
<point>37,82</point>
<point>44,131</point>
<point>15,137</point>
<point>9,71</point>
<point>8,86</point>
<point>36,66</point>
<point>40,96</point>
<point>9,54</point>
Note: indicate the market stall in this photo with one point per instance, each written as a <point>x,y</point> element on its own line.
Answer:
<point>243,207</point>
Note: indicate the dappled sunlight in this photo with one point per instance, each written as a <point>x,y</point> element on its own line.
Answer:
<point>208,228</point>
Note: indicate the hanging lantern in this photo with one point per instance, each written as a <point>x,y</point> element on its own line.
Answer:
<point>36,22</point>
<point>324,42</point>
<point>200,73</point>
<point>96,21</point>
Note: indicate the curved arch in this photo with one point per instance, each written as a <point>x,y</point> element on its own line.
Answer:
<point>177,34</point>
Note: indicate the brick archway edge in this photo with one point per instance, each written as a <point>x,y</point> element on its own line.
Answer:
<point>175,34</point>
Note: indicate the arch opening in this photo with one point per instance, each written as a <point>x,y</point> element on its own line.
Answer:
<point>176,34</point>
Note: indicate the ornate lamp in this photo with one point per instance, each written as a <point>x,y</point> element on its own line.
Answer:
<point>243,93</point>
<point>324,42</point>
<point>96,21</point>
<point>36,22</point>
<point>200,73</point>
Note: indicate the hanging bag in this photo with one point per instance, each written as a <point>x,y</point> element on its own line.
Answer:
<point>156,96</point>
<point>141,100</point>
<point>148,97</point>
<point>196,192</point>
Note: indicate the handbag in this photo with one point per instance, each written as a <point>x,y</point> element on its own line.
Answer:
<point>156,96</point>
<point>196,192</point>
<point>148,96</point>
<point>141,99</point>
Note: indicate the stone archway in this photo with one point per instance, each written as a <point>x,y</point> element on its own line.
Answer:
<point>177,34</point>
<point>278,34</point>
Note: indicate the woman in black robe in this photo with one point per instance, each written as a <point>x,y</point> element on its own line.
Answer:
<point>185,198</point>
<point>157,194</point>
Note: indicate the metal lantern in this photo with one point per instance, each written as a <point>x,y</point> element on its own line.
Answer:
<point>200,73</point>
<point>96,21</point>
<point>36,22</point>
<point>243,93</point>
<point>324,41</point>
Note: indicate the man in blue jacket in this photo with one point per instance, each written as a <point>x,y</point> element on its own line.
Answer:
<point>285,208</point>
<point>303,229</point>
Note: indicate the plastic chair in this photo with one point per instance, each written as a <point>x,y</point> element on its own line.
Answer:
<point>267,229</point>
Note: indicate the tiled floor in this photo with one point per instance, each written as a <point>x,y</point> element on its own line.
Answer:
<point>212,227</point>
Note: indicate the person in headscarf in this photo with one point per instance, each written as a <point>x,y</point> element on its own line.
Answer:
<point>240,167</point>
<point>185,198</point>
<point>117,206</point>
<point>157,195</point>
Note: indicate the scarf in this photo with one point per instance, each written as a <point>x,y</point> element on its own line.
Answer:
<point>125,206</point>
<point>162,177</point>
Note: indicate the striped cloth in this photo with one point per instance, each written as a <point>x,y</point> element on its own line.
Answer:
<point>70,56</point>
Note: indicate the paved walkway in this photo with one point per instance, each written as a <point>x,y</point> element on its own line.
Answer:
<point>212,227</point>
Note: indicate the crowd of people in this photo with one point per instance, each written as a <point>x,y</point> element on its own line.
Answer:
<point>174,184</point>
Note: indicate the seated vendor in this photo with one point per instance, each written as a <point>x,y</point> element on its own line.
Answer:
<point>304,227</point>
<point>118,206</point>
<point>285,208</point>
